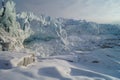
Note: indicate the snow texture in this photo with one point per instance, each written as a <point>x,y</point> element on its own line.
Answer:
<point>65,49</point>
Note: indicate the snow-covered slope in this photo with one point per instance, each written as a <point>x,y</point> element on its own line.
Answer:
<point>65,49</point>
<point>103,64</point>
<point>90,49</point>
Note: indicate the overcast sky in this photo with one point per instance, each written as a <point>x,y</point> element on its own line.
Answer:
<point>102,11</point>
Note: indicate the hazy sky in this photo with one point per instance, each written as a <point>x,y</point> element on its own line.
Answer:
<point>102,11</point>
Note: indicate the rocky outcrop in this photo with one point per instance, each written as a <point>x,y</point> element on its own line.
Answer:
<point>13,59</point>
<point>27,60</point>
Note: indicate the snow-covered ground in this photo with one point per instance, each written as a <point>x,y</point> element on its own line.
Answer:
<point>64,49</point>
<point>103,64</point>
<point>69,50</point>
